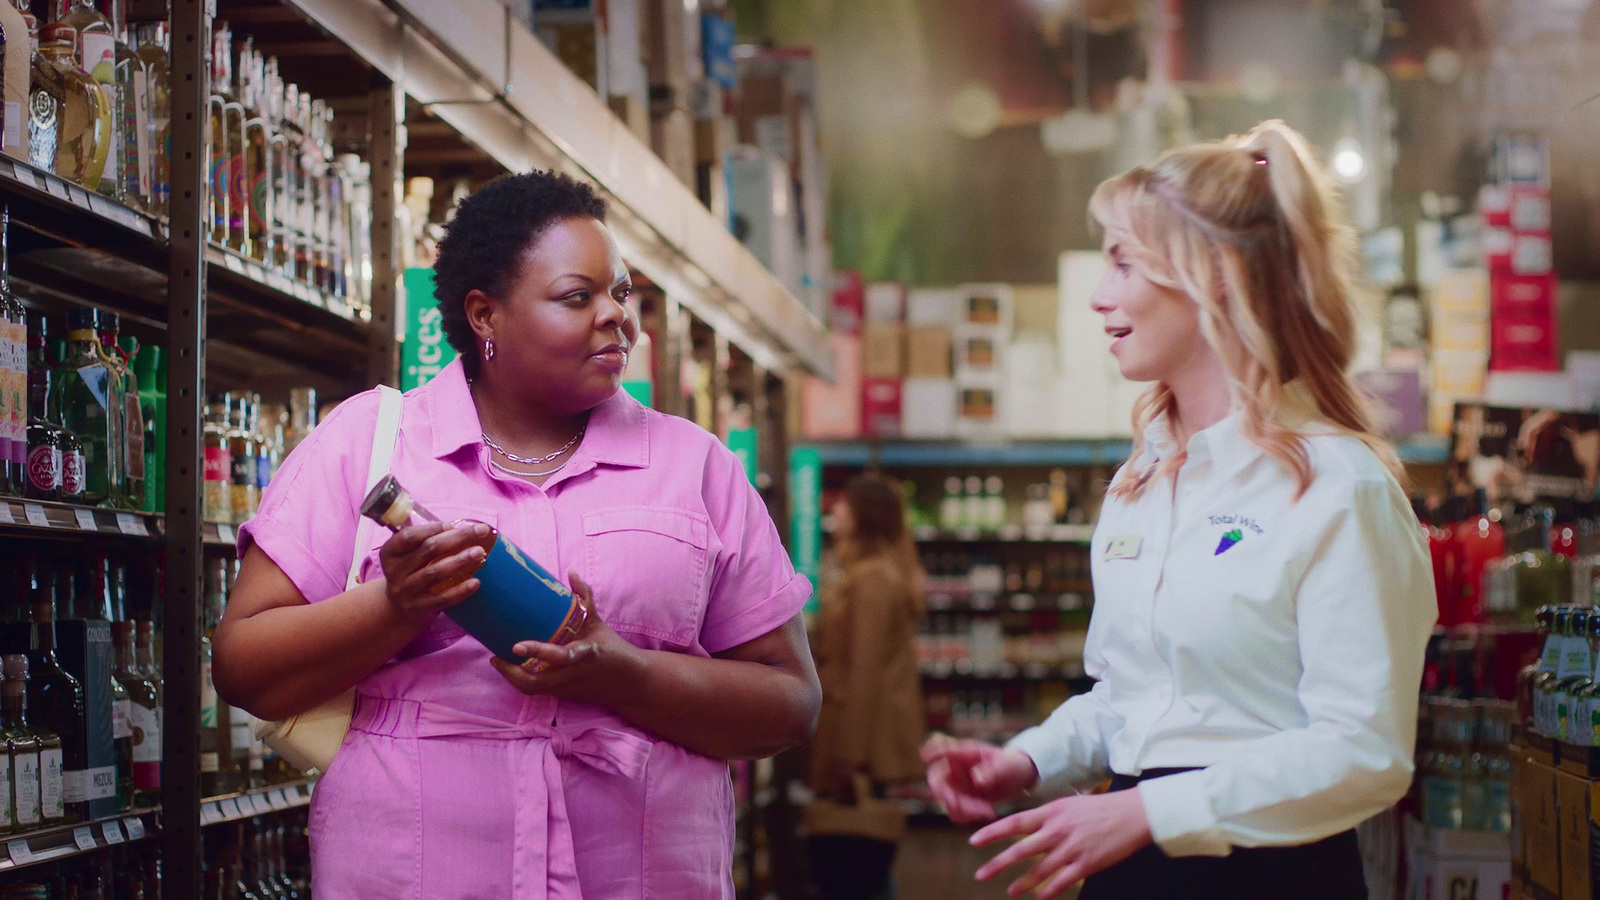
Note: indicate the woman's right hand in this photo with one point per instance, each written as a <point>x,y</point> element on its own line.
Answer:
<point>429,568</point>
<point>969,777</point>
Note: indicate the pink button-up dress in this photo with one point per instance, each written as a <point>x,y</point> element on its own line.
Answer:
<point>452,784</point>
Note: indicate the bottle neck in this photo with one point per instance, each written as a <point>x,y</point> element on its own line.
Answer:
<point>44,626</point>
<point>14,703</point>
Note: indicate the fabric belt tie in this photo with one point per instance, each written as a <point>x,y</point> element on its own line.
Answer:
<point>543,843</point>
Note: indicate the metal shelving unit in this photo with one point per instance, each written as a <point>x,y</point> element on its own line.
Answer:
<point>385,66</point>
<point>1068,452</point>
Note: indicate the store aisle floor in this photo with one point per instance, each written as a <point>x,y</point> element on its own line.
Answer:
<point>938,864</point>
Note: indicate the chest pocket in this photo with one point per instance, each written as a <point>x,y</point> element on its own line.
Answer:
<point>443,631</point>
<point>648,567</point>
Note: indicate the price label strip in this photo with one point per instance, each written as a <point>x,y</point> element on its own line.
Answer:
<point>277,800</point>
<point>130,524</point>
<point>85,519</point>
<point>20,852</point>
<point>59,189</point>
<point>83,836</point>
<point>229,808</point>
<point>35,515</point>
<point>135,828</point>
<point>210,814</point>
<point>113,831</point>
<point>5,514</point>
<point>225,533</point>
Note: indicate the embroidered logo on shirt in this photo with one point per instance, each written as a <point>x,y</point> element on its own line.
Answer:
<point>1228,540</point>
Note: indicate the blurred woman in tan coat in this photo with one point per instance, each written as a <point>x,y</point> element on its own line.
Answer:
<point>872,721</point>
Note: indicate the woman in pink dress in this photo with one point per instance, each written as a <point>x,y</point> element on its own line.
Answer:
<point>603,775</point>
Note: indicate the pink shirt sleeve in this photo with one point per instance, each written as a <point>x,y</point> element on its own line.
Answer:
<point>307,520</point>
<point>754,587</point>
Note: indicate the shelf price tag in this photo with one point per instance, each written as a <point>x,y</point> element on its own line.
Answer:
<point>35,515</point>
<point>276,799</point>
<point>135,828</point>
<point>27,177</point>
<point>80,197</point>
<point>20,852</point>
<point>5,514</point>
<point>58,188</point>
<point>225,533</point>
<point>85,519</point>
<point>83,836</point>
<point>210,814</point>
<point>113,831</point>
<point>232,264</point>
<point>230,808</point>
<point>128,523</point>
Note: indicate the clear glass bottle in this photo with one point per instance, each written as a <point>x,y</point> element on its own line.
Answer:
<point>278,148</point>
<point>44,438</point>
<point>950,506</point>
<point>517,599</point>
<point>1544,682</point>
<point>97,57</point>
<point>22,744</point>
<point>258,174</point>
<point>122,740</point>
<point>302,417</point>
<point>145,711</point>
<point>972,505</point>
<point>131,427</point>
<point>82,118</point>
<point>263,445</point>
<point>155,153</point>
<point>243,496</point>
<point>302,151</point>
<point>1444,783</point>
<point>1495,745</point>
<point>1573,673</point>
<point>218,463</point>
<point>19,401</point>
<point>86,397</point>
<point>56,699</point>
<point>211,781</point>
<point>995,513</point>
<point>132,116</point>
<point>46,99</point>
<point>219,149</point>
<point>233,117</point>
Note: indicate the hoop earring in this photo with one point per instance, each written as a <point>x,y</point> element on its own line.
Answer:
<point>488,350</point>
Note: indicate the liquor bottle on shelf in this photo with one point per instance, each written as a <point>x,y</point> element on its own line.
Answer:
<point>218,463</point>
<point>22,744</point>
<point>972,509</point>
<point>1480,539</point>
<point>131,427</point>
<point>302,417</point>
<point>44,438</point>
<point>995,513</point>
<point>212,782</point>
<point>1544,684</point>
<point>322,201</point>
<point>122,740</point>
<point>300,150</point>
<point>263,445</point>
<point>274,421</point>
<point>155,161</point>
<point>87,404</point>
<point>82,119</point>
<point>1564,531</point>
<point>219,148</point>
<point>145,712</point>
<point>1572,674</point>
<point>95,45</point>
<point>243,494</point>
<point>1060,497</point>
<point>151,368</point>
<point>131,114</point>
<point>15,403</point>
<point>1443,783</point>
<point>279,110</point>
<point>15,34</point>
<point>951,507</point>
<point>233,117</point>
<point>56,699</point>
<point>256,186</point>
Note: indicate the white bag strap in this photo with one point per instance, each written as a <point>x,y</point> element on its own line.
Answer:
<point>384,438</point>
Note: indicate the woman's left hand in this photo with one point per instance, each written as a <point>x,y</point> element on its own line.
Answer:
<point>597,666</point>
<point>1075,837</point>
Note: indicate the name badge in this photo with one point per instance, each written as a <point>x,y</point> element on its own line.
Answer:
<point>1124,547</point>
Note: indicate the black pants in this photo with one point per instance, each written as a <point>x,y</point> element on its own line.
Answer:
<point>850,868</point>
<point>1329,869</point>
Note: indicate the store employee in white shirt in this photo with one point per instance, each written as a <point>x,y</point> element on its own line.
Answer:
<point>1262,592</point>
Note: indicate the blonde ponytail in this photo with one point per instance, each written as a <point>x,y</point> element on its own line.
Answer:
<point>1251,230</point>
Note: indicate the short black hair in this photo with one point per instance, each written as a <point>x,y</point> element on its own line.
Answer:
<point>484,241</point>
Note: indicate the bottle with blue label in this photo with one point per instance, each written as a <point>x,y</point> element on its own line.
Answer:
<point>517,599</point>
<point>1572,673</point>
<point>1552,622</point>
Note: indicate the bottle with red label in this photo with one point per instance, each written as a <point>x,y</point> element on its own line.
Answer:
<point>44,438</point>
<point>218,462</point>
<point>1480,539</point>
<point>1564,530</point>
<point>1446,557</point>
<point>1437,540</point>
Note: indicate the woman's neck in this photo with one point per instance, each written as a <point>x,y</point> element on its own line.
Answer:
<point>1200,396</point>
<point>520,423</point>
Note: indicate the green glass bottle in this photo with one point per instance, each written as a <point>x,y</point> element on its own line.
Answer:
<point>86,390</point>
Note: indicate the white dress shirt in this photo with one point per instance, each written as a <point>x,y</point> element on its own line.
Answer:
<point>1276,643</point>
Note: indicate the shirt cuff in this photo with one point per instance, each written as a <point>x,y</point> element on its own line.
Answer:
<point>757,619</point>
<point>1049,753</point>
<point>1178,808</point>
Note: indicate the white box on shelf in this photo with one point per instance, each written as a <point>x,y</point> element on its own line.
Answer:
<point>1031,399</point>
<point>884,301</point>
<point>979,406</point>
<point>760,200</point>
<point>980,351</point>
<point>986,305</point>
<point>928,408</point>
<point>932,306</point>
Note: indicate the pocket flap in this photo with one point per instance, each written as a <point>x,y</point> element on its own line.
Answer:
<point>689,527</point>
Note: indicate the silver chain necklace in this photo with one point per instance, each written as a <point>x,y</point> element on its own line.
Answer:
<point>528,474</point>
<point>532,460</point>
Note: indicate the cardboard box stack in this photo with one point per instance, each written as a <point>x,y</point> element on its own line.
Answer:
<point>928,398</point>
<point>762,214</point>
<point>1519,254</point>
<point>1459,311</point>
<point>982,335</point>
<point>673,65</point>
<point>602,43</point>
<point>1555,832</point>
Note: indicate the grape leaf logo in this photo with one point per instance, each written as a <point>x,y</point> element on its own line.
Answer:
<point>1228,540</point>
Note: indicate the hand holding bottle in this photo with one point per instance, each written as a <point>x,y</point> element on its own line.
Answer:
<point>597,666</point>
<point>428,568</point>
<point>969,777</point>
